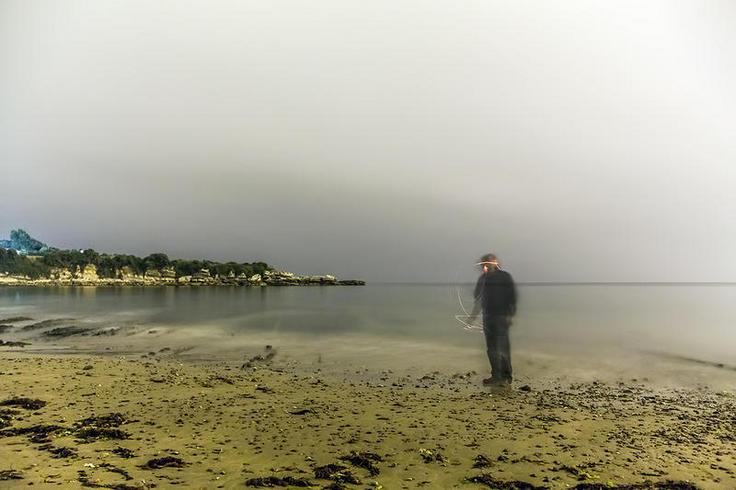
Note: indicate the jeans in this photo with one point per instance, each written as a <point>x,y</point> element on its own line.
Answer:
<point>496,329</point>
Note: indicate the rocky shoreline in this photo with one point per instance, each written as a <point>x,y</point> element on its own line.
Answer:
<point>166,276</point>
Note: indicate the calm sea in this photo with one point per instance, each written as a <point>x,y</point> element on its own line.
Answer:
<point>690,320</point>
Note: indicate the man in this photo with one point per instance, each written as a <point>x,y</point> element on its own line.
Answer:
<point>495,294</point>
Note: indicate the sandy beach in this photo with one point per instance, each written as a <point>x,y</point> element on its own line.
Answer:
<point>142,410</point>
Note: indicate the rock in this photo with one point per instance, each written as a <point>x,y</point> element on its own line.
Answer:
<point>152,274</point>
<point>202,277</point>
<point>168,273</point>
<point>89,274</point>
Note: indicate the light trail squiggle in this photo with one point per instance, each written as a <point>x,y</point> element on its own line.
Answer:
<point>462,318</point>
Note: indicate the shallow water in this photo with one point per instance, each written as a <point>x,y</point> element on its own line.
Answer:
<point>688,320</point>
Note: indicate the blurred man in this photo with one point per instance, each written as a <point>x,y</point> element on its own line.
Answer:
<point>495,294</point>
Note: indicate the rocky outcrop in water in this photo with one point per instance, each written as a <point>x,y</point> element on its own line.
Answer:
<point>166,276</point>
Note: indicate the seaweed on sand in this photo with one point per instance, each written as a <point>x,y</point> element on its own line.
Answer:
<point>46,323</point>
<point>335,485</point>
<point>66,331</point>
<point>277,481</point>
<point>16,319</point>
<point>10,475</point>
<point>6,415</point>
<point>336,472</point>
<point>89,434</point>
<point>490,482</point>
<point>123,452</point>
<point>110,420</point>
<point>36,432</point>
<point>86,481</point>
<point>58,452</point>
<point>114,469</point>
<point>101,427</point>
<point>13,343</point>
<point>27,403</point>
<point>481,461</point>
<point>364,460</point>
<point>165,462</point>
<point>647,485</point>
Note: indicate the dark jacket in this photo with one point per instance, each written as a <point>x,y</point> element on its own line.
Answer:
<point>497,293</point>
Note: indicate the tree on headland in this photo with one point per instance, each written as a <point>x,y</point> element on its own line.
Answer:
<point>23,243</point>
<point>157,261</point>
<point>16,261</point>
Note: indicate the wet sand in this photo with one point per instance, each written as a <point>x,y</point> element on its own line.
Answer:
<point>145,408</point>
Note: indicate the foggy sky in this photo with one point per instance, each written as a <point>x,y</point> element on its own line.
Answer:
<point>384,140</point>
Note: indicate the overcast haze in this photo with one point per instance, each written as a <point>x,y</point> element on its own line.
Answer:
<point>385,140</point>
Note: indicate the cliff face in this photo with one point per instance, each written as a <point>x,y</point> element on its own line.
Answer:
<point>166,276</point>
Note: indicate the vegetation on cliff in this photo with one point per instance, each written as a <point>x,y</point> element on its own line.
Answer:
<point>23,255</point>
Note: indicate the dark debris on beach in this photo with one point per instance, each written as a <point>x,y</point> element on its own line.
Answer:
<point>6,417</point>
<point>123,452</point>
<point>647,485</point>
<point>6,475</point>
<point>104,427</point>
<point>89,434</point>
<point>365,460</point>
<point>491,482</point>
<point>13,343</point>
<point>481,461</point>
<point>337,473</point>
<point>58,452</point>
<point>36,433</point>
<point>277,481</point>
<point>27,403</point>
<point>86,481</point>
<point>265,358</point>
<point>165,462</point>
<point>110,420</point>
<point>16,319</point>
<point>53,322</point>
<point>60,332</point>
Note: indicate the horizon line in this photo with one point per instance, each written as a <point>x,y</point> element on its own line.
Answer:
<point>572,283</point>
